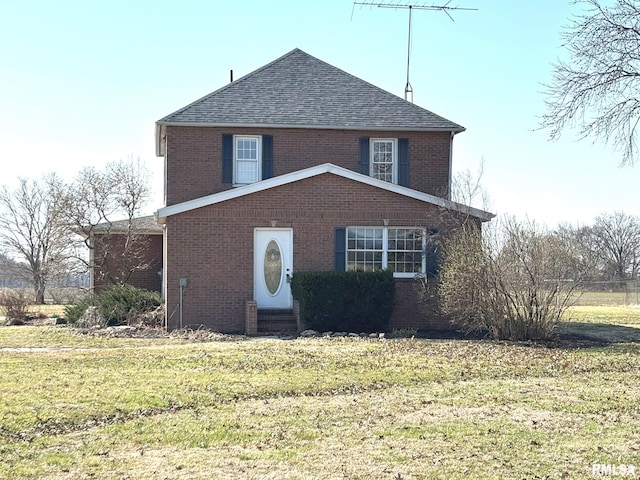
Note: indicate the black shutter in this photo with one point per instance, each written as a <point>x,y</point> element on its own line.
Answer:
<point>340,249</point>
<point>364,155</point>
<point>267,156</point>
<point>227,158</point>
<point>403,162</point>
<point>432,254</point>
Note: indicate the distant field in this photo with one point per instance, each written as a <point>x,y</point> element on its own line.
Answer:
<point>55,304</point>
<point>609,298</point>
<point>615,315</point>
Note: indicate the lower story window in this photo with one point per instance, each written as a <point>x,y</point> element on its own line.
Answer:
<point>399,249</point>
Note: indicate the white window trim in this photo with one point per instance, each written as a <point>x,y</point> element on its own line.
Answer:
<point>258,139</point>
<point>394,166</point>
<point>385,249</point>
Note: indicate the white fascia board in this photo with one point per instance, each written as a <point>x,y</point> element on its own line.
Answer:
<point>123,232</point>
<point>116,231</point>
<point>408,192</point>
<point>237,192</point>
<point>165,212</point>
<point>161,131</point>
<point>312,127</point>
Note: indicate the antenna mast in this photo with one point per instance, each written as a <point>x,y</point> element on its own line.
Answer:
<point>408,89</point>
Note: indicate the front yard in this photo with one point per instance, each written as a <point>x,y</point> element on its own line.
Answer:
<point>76,407</point>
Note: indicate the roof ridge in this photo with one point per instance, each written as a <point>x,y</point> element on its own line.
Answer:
<point>228,85</point>
<point>380,89</point>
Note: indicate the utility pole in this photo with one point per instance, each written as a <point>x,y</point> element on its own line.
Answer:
<point>408,89</point>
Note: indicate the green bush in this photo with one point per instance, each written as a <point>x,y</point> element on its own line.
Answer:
<point>345,301</point>
<point>118,304</point>
<point>73,312</point>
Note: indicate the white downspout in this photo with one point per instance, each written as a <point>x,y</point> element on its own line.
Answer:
<point>181,296</point>
<point>164,275</point>
<point>450,165</point>
<point>183,284</point>
<point>92,264</point>
<point>165,170</point>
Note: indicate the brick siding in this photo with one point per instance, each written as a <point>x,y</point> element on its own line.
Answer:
<point>147,278</point>
<point>194,156</point>
<point>213,246</point>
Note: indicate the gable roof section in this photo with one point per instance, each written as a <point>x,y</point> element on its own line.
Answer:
<point>139,225</point>
<point>215,198</point>
<point>298,90</point>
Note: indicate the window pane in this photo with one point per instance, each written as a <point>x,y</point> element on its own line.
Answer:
<point>405,250</point>
<point>247,149</point>
<point>247,161</point>
<point>402,252</point>
<point>364,249</point>
<point>246,172</point>
<point>382,159</point>
<point>377,239</point>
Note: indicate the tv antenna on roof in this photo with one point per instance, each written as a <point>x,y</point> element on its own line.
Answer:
<point>408,89</point>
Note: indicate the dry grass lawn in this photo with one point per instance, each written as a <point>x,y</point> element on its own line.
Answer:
<point>75,407</point>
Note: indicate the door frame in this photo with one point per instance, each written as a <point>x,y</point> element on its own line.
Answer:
<point>287,265</point>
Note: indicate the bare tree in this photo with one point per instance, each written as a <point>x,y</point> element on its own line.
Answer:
<point>32,230</point>
<point>508,281</point>
<point>598,89</point>
<point>104,208</point>
<point>615,240</point>
<point>467,188</point>
<point>585,263</point>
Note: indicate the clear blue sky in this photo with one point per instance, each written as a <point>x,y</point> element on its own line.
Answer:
<point>83,82</point>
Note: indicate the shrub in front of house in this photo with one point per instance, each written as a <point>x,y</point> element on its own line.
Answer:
<point>14,304</point>
<point>515,280</point>
<point>118,304</point>
<point>345,301</point>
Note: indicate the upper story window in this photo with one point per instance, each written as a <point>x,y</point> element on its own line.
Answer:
<point>384,163</point>
<point>247,159</point>
<point>385,159</point>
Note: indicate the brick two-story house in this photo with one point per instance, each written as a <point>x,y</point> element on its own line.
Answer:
<point>298,166</point>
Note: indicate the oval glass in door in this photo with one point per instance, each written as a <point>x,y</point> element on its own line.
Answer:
<point>273,267</point>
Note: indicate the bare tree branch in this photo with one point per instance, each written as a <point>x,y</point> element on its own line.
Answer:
<point>598,90</point>
<point>103,207</point>
<point>33,230</point>
<point>615,240</point>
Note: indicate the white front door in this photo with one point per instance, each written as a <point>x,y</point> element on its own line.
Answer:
<point>273,265</point>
